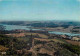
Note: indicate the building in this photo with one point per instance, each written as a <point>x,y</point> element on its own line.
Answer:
<point>75,38</point>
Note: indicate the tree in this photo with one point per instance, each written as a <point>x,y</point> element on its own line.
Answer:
<point>2,28</point>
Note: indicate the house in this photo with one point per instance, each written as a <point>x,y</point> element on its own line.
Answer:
<point>75,38</point>
<point>63,36</point>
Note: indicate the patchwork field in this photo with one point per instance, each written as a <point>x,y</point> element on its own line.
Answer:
<point>23,34</point>
<point>38,34</point>
<point>73,42</point>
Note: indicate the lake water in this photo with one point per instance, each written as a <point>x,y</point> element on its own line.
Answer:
<point>12,27</point>
<point>63,33</point>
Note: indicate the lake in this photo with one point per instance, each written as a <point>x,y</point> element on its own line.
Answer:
<point>63,33</point>
<point>12,27</point>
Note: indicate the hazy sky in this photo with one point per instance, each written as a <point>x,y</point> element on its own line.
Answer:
<point>40,10</point>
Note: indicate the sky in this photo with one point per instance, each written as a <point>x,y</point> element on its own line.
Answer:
<point>39,10</point>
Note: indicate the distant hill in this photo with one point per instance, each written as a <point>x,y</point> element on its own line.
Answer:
<point>64,24</point>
